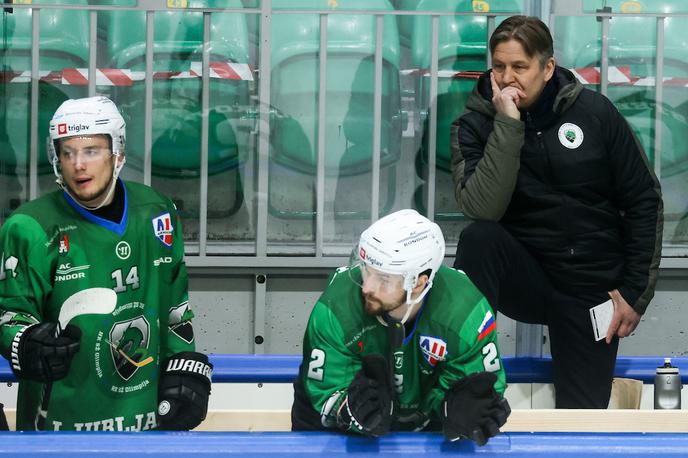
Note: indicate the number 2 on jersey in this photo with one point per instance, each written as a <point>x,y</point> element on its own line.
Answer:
<point>315,367</point>
<point>491,360</point>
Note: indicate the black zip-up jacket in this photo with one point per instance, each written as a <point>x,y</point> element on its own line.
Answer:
<point>570,181</point>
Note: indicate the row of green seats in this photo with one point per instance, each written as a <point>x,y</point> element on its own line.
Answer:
<point>577,40</point>
<point>63,43</point>
<point>632,44</point>
<point>349,116</point>
<point>462,46</point>
<point>177,41</point>
<point>294,77</point>
<point>177,110</point>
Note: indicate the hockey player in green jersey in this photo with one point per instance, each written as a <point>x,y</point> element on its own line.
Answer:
<point>94,310</point>
<point>400,342</point>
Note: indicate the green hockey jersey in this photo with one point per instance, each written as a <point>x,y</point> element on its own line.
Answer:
<point>453,334</point>
<point>52,248</point>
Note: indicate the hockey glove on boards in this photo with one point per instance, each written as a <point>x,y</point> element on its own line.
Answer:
<point>473,409</point>
<point>369,407</point>
<point>38,355</point>
<point>183,391</point>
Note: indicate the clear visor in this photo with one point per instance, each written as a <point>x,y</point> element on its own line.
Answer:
<point>371,279</point>
<point>84,155</point>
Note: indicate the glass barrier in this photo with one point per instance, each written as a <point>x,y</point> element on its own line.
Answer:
<point>343,135</point>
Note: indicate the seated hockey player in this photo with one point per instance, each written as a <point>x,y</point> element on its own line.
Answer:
<point>400,342</point>
<point>94,310</point>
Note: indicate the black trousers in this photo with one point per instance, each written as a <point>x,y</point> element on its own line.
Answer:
<point>515,285</point>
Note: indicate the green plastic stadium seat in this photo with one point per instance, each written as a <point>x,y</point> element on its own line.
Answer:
<point>63,44</point>
<point>632,43</point>
<point>178,39</point>
<point>462,46</point>
<point>350,97</point>
<point>405,22</point>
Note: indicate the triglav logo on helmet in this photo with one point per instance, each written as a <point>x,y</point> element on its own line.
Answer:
<point>366,257</point>
<point>71,128</point>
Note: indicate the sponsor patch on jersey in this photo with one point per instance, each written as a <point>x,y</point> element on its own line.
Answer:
<point>8,266</point>
<point>64,245</point>
<point>162,228</point>
<point>570,135</point>
<point>487,326</point>
<point>434,349</point>
<point>67,272</point>
<point>123,250</point>
<point>398,359</point>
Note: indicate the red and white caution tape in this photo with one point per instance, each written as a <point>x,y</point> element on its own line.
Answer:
<point>124,77</point>
<point>616,76</point>
<point>592,75</point>
<point>468,74</point>
<point>622,76</point>
<point>225,70</point>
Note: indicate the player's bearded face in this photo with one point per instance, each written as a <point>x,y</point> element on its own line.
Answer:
<point>381,296</point>
<point>87,164</point>
<point>375,306</point>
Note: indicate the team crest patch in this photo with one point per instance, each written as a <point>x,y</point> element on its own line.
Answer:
<point>487,326</point>
<point>434,349</point>
<point>570,135</point>
<point>162,228</point>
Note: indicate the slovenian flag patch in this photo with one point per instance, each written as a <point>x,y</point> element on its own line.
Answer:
<point>487,326</point>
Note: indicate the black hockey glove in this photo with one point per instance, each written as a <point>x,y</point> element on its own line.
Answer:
<point>183,391</point>
<point>38,355</point>
<point>3,419</point>
<point>368,408</point>
<point>473,409</point>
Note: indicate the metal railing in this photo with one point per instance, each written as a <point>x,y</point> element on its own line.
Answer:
<point>199,254</point>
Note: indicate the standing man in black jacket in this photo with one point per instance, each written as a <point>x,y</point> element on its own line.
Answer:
<point>568,214</point>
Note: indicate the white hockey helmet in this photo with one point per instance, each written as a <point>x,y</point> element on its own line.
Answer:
<point>404,243</point>
<point>88,116</point>
<point>84,117</point>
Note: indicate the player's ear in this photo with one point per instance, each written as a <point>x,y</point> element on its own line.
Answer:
<point>422,281</point>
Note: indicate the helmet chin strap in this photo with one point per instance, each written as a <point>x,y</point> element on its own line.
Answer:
<point>111,187</point>
<point>410,304</point>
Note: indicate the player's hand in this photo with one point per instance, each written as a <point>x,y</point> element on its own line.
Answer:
<point>41,356</point>
<point>184,391</point>
<point>624,320</point>
<point>369,407</point>
<point>506,100</point>
<point>473,409</point>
